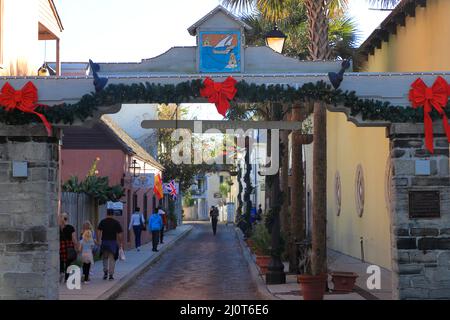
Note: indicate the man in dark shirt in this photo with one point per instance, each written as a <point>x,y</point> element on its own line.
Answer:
<point>110,232</point>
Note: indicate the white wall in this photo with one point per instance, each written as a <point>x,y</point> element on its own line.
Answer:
<point>20,37</point>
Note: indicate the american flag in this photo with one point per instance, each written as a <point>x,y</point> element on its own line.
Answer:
<point>172,189</point>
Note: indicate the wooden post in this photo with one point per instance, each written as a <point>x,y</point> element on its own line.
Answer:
<point>58,57</point>
<point>319,227</point>
<point>297,192</point>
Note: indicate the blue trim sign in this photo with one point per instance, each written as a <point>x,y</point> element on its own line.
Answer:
<point>220,51</point>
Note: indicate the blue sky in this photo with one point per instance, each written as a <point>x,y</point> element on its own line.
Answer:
<point>118,31</point>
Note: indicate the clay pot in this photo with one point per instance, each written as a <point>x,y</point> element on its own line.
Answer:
<point>313,287</point>
<point>263,263</point>
<point>343,281</point>
<point>305,139</point>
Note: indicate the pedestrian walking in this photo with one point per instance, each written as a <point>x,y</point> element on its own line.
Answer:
<point>259,214</point>
<point>67,245</point>
<point>111,234</point>
<point>214,214</point>
<point>86,248</point>
<point>137,222</point>
<point>87,226</point>
<point>155,225</point>
<point>163,216</point>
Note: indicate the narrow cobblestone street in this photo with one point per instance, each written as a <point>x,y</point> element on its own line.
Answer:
<point>201,267</point>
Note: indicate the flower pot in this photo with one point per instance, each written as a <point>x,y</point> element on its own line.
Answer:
<point>263,263</point>
<point>305,138</point>
<point>313,287</point>
<point>343,281</point>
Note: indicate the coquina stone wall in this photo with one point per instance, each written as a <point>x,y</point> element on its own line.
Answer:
<point>421,246</point>
<point>29,238</point>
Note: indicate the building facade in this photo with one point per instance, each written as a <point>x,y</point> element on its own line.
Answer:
<point>20,37</point>
<point>120,158</point>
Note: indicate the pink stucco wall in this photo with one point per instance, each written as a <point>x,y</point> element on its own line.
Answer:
<point>113,164</point>
<point>78,162</point>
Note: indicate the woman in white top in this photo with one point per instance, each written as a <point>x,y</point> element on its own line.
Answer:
<point>137,222</point>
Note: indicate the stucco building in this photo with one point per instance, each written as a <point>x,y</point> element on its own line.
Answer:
<point>118,154</point>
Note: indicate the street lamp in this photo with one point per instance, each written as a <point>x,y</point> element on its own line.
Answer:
<point>275,39</point>
<point>135,167</point>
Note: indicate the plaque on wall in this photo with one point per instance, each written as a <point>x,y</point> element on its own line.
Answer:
<point>424,204</point>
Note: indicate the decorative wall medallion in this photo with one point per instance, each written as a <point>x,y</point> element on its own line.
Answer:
<point>338,193</point>
<point>387,186</point>
<point>359,190</point>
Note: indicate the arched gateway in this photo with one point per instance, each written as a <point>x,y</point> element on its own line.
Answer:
<point>29,159</point>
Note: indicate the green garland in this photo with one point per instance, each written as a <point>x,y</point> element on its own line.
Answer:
<point>184,92</point>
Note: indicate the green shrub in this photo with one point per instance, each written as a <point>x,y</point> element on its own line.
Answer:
<point>262,239</point>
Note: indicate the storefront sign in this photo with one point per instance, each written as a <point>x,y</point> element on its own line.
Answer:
<point>144,181</point>
<point>116,207</point>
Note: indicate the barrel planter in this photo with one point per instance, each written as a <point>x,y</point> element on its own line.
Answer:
<point>343,281</point>
<point>263,263</point>
<point>313,287</point>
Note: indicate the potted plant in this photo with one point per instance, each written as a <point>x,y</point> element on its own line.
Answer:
<point>312,286</point>
<point>343,281</point>
<point>261,239</point>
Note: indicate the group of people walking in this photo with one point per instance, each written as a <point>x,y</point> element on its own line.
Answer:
<point>108,241</point>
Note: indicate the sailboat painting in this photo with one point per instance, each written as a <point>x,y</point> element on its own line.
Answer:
<point>220,51</point>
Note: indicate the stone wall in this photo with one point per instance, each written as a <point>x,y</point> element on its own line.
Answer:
<point>421,246</point>
<point>29,239</point>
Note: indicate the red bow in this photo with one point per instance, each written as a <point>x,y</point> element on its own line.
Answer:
<point>219,93</point>
<point>23,100</point>
<point>435,97</point>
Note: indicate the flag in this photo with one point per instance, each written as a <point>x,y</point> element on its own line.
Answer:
<point>158,188</point>
<point>172,189</point>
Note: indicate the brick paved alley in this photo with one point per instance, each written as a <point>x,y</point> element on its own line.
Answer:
<point>200,266</point>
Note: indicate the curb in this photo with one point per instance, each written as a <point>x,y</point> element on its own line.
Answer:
<point>126,281</point>
<point>254,272</point>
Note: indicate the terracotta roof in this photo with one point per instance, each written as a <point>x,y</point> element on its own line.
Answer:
<point>129,143</point>
<point>389,26</point>
<point>193,29</point>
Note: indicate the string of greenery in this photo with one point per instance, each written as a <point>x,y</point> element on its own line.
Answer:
<point>247,93</point>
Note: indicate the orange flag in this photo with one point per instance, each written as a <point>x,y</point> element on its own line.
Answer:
<point>158,188</point>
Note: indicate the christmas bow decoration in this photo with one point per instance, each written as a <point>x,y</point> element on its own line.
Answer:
<point>24,100</point>
<point>219,93</point>
<point>435,97</point>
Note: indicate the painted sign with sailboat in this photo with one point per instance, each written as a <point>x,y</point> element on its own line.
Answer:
<point>220,51</point>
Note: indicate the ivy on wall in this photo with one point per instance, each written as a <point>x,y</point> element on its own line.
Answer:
<point>247,93</point>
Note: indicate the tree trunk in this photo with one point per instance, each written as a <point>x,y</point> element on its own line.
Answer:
<point>317,29</point>
<point>319,225</point>
<point>248,188</point>
<point>297,192</point>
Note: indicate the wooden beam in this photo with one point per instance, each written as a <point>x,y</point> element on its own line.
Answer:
<point>410,9</point>
<point>400,19</point>
<point>376,42</point>
<point>421,3</point>
<point>392,28</point>
<point>384,35</point>
<point>58,58</point>
<point>222,126</point>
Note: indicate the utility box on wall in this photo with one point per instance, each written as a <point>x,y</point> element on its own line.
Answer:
<point>20,169</point>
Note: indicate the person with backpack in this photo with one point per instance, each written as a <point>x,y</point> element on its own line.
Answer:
<point>154,226</point>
